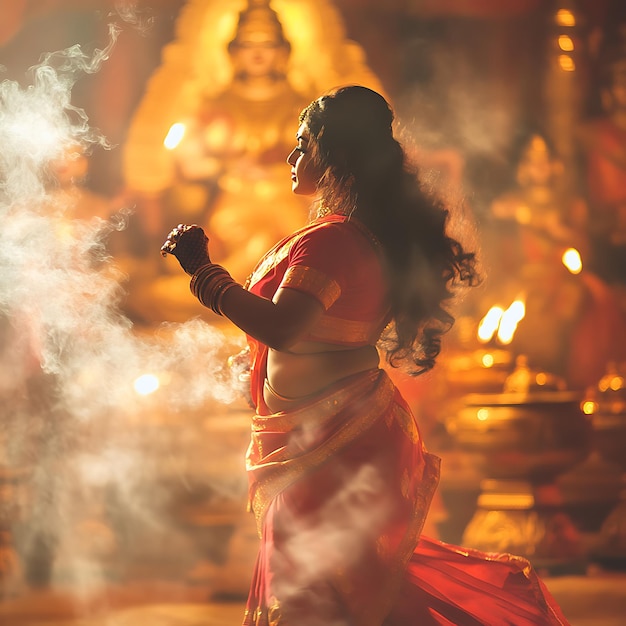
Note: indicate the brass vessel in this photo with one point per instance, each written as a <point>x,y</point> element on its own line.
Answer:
<point>527,435</point>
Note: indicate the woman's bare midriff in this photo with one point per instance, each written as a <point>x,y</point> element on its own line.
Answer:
<point>310,367</point>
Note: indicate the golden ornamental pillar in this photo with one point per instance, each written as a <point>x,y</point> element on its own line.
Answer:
<point>565,81</point>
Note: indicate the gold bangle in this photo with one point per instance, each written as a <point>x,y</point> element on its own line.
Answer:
<point>220,297</point>
<point>209,283</point>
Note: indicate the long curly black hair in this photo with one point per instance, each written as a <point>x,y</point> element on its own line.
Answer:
<point>366,174</point>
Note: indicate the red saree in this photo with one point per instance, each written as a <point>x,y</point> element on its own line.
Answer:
<point>340,486</point>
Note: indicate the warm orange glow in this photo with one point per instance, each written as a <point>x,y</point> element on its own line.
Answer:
<point>174,136</point>
<point>564,17</point>
<point>614,383</point>
<point>541,379</point>
<point>566,43</point>
<point>218,134</point>
<point>572,260</point>
<point>566,63</point>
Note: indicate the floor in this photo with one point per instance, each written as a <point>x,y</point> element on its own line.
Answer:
<point>595,599</point>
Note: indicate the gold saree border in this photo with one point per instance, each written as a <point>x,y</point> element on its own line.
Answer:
<point>271,260</point>
<point>284,470</point>
<point>314,282</point>
<point>319,410</point>
<point>336,329</point>
<point>279,253</point>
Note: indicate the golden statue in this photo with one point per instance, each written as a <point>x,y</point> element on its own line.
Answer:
<point>550,218</point>
<point>232,85</point>
<point>537,247</point>
<point>231,159</point>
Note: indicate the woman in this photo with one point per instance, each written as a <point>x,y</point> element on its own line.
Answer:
<point>340,482</point>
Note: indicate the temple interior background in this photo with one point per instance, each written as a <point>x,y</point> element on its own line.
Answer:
<point>123,430</point>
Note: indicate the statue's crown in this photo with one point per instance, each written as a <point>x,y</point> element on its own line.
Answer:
<point>259,23</point>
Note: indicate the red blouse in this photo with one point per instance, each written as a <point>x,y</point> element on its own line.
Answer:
<point>337,261</point>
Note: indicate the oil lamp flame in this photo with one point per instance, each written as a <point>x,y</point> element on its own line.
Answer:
<point>510,319</point>
<point>489,324</point>
<point>500,323</point>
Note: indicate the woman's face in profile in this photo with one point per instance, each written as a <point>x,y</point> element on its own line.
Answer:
<point>305,174</point>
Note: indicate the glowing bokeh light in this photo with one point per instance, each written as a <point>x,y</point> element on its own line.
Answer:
<point>564,17</point>
<point>488,360</point>
<point>589,407</point>
<point>482,414</point>
<point>174,136</point>
<point>146,384</point>
<point>566,43</point>
<point>218,135</point>
<point>572,260</point>
<point>566,63</point>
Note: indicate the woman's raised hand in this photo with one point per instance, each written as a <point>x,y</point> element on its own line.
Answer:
<point>190,245</point>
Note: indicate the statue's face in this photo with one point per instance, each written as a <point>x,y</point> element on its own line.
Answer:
<point>258,53</point>
<point>536,166</point>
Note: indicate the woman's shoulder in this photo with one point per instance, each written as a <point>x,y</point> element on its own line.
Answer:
<point>328,229</point>
<point>339,248</point>
<point>346,228</point>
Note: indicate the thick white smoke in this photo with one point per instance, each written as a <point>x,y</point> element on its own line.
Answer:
<point>76,419</point>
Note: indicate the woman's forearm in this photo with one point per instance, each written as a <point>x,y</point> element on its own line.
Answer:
<point>279,324</point>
